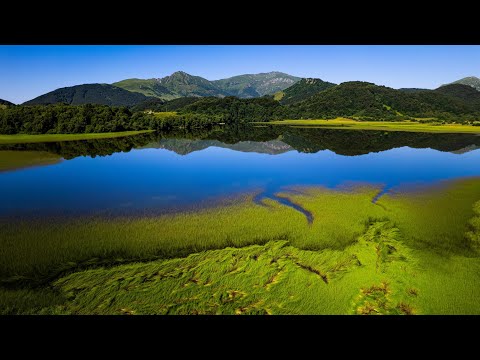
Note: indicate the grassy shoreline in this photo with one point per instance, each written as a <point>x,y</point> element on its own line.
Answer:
<point>24,138</point>
<point>348,124</point>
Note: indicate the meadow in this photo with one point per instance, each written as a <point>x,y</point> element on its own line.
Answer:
<point>410,126</point>
<point>414,251</point>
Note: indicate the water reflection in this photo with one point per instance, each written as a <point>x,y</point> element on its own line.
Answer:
<point>164,171</point>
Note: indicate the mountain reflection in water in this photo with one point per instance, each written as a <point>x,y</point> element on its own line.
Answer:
<point>163,171</point>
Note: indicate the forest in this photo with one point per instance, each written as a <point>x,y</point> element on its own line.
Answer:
<point>74,119</point>
<point>354,100</point>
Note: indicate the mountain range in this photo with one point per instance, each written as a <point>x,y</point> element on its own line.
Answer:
<point>181,84</point>
<point>304,98</point>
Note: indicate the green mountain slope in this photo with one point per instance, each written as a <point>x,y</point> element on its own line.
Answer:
<point>161,105</point>
<point>362,99</point>
<point>235,110</point>
<point>470,81</point>
<point>256,85</point>
<point>101,94</point>
<point>147,87</point>
<point>182,84</point>
<point>302,90</point>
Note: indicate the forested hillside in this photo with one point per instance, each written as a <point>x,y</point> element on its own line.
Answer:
<point>98,94</point>
<point>302,90</point>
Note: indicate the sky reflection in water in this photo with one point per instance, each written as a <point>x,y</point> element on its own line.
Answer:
<point>160,178</point>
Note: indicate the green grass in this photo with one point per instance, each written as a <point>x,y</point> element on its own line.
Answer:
<point>24,138</point>
<point>165,114</point>
<point>412,126</point>
<point>435,218</point>
<point>415,252</point>
<point>36,248</point>
<point>278,95</point>
<point>13,160</point>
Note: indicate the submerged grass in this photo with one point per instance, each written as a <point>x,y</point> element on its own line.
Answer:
<point>24,138</point>
<point>34,248</point>
<point>412,126</point>
<point>435,218</point>
<point>417,253</point>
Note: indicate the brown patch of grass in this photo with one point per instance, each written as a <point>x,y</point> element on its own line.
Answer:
<point>406,309</point>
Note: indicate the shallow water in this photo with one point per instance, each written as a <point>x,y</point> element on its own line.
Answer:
<point>170,171</point>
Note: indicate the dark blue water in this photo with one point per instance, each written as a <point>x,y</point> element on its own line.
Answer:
<point>154,178</point>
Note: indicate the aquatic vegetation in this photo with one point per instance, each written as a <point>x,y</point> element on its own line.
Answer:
<point>411,255</point>
<point>473,236</point>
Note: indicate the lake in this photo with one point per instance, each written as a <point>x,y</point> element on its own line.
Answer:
<point>177,170</point>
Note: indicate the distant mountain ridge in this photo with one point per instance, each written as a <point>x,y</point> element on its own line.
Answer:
<point>256,85</point>
<point>101,94</point>
<point>472,81</point>
<point>181,84</point>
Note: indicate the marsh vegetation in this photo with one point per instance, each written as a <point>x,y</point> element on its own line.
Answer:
<point>404,254</point>
<point>371,247</point>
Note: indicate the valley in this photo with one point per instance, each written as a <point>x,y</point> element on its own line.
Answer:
<point>130,187</point>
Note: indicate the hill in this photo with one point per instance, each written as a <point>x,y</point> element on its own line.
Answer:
<point>464,92</point>
<point>233,109</point>
<point>161,105</point>
<point>101,94</point>
<point>147,87</point>
<point>412,90</point>
<point>179,84</point>
<point>182,84</point>
<point>5,102</point>
<point>470,81</point>
<point>302,90</point>
<point>363,99</point>
<point>256,85</point>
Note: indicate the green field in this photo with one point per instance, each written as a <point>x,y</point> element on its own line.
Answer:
<point>12,160</point>
<point>348,124</point>
<point>412,252</point>
<point>24,138</point>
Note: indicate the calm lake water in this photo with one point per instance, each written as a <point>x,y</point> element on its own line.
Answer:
<point>158,172</point>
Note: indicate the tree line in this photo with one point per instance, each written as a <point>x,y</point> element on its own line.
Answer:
<point>362,101</point>
<point>71,119</point>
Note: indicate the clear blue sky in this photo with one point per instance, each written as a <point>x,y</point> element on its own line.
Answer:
<point>29,71</point>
